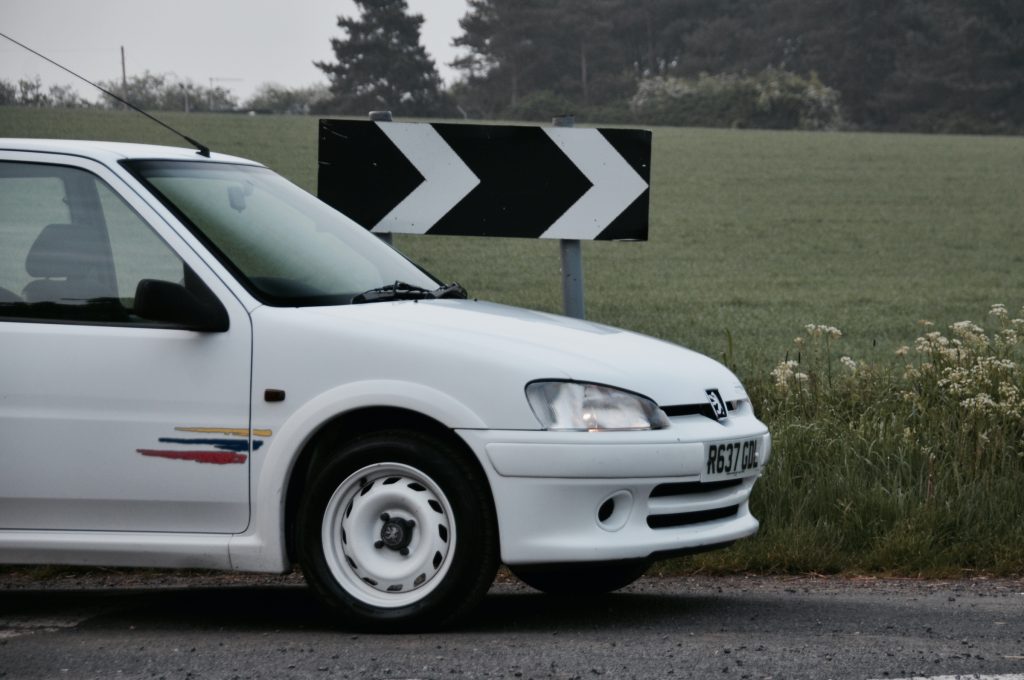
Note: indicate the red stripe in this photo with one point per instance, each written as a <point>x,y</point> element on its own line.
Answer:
<point>211,457</point>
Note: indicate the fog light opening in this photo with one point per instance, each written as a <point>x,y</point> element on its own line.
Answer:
<point>614,511</point>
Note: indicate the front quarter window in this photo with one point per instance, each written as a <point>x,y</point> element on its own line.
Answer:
<point>285,245</point>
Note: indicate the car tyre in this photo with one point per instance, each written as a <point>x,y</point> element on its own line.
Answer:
<point>396,532</point>
<point>581,579</point>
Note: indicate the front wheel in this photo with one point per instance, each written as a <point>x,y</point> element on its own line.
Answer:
<point>581,579</point>
<point>397,532</point>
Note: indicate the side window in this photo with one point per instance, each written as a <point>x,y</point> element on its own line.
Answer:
<point>138,253</point>
<point>71,249</point>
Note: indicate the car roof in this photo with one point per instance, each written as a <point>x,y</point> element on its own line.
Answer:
<point>112,152</point>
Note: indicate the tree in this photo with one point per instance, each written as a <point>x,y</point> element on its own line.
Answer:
<point>165,92</point>
<point>591,52</point>
<point>274,98</point>
<point>30,93</point>
<point>960,69</point>
<point>512,48</point>
<point>382,65</point>
<point>65,97</point>
<point>853,46</point>
<point>589,32</point>
<point>8,93</point>
<point>924,65</point>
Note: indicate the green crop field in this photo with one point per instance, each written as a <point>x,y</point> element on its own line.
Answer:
<point>753,236</point>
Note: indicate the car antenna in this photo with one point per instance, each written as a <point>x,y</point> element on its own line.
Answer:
<point>203,149</point>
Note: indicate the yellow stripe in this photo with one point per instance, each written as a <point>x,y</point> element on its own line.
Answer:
<point>232,431</point>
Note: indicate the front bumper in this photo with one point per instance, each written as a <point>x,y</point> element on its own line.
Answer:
<point>599,496</point>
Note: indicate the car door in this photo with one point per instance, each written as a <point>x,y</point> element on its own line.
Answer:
<point>110,421</point>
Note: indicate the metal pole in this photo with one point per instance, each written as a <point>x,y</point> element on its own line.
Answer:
<point>572,257</point>
<point>124,78</point>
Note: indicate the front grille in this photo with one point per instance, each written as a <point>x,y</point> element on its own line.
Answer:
<point>681,519</point>
<point>690,488</point>
<point>696,410</point>
<point>679,495</point>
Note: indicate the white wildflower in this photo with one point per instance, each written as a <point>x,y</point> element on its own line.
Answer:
<point>966,329</point>
<point>911,373</point>
<point>1011,403</point>
<point>931,342</point>
<point>848,363</point>
<point>980,404</point>
<point>1007,338</point>
<point>821,330</point>
<point>994,365</point>
<point>783,373</point>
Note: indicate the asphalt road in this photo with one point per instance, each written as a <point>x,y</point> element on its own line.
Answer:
<point>112,625</point>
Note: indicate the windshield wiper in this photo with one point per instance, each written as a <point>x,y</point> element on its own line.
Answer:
<point>451,290</point>
<point>400,290</point>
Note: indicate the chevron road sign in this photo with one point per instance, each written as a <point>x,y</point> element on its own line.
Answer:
<point>488,180</point>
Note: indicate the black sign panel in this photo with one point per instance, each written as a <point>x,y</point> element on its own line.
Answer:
<point>488,180</point>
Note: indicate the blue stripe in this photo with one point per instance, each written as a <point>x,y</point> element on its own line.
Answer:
<point>238,445</point>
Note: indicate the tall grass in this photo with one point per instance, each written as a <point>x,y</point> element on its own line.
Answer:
<point>912,466</point>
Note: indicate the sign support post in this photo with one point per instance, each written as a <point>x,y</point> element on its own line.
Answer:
<point>572,257</point>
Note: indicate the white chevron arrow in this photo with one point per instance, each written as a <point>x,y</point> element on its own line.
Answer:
<point>447,179</point>
<point>615,184</point>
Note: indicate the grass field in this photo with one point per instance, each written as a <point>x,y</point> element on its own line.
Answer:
<point>754,235</point>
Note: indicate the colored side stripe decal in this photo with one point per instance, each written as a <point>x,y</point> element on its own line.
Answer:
<point>239,445</point>
<point>232,431</point>
<point>228,451</point>
<point>209,457</point>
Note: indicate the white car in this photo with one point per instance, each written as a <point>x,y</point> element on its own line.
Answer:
<point>203,366</point>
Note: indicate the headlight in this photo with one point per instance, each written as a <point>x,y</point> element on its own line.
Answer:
<point>597,408</point>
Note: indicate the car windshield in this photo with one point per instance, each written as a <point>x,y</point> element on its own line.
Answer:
<point>285,245</point>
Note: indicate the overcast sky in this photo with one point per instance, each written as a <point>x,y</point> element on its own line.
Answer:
<point>240,44</point>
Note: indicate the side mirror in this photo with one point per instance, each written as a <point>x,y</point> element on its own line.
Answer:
<point>172,303</point>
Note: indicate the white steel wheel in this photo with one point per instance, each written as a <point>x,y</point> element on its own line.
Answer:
<point>396,531</point>
<point>387,533</point>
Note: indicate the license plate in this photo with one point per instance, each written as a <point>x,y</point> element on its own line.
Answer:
<point>730,460</point>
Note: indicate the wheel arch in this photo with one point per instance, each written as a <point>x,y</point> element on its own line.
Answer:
<point>284,464</point>
<point>348,426</point>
